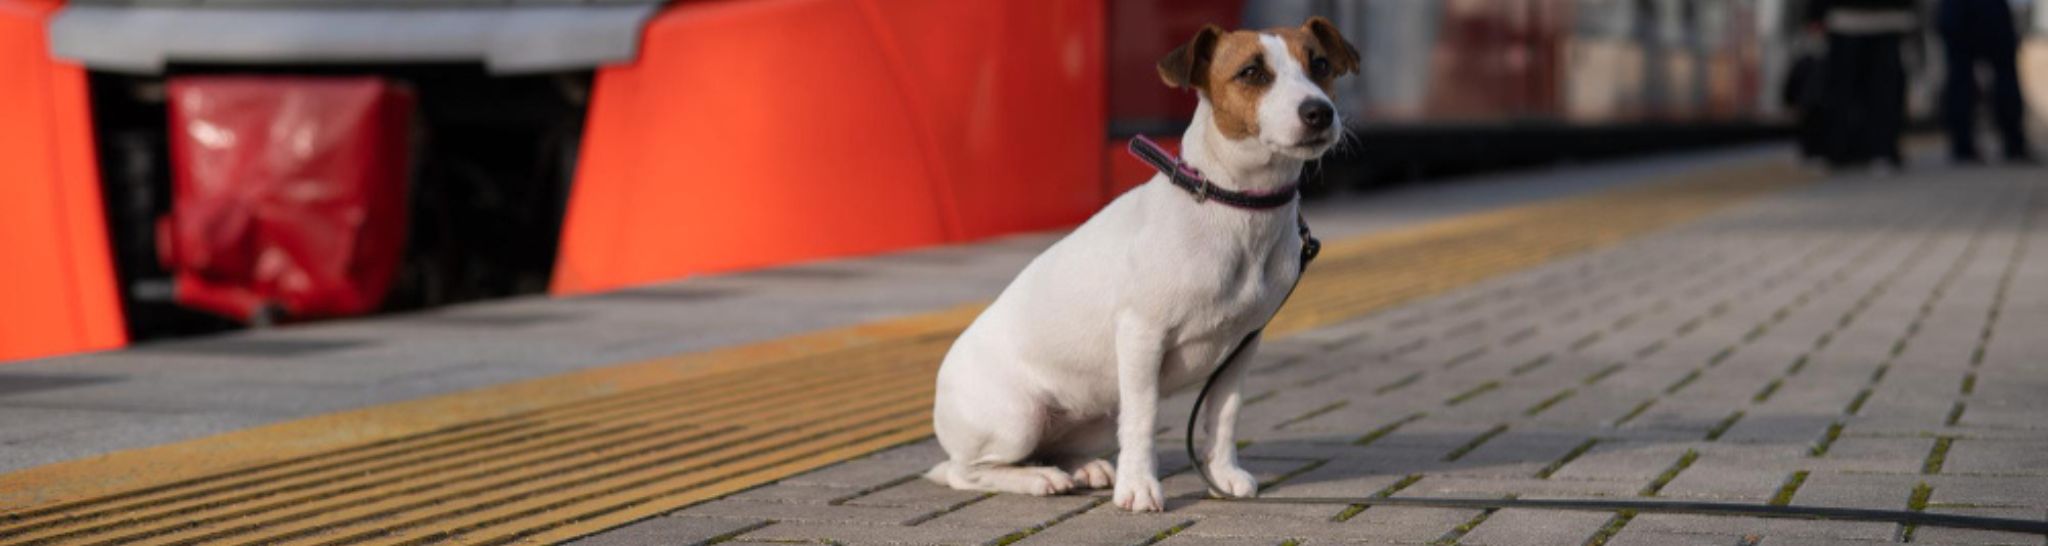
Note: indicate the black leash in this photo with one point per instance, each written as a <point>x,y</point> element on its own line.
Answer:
<point>1901,517</point>
<point>1188,179</point>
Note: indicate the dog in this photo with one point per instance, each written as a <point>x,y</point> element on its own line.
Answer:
<point>1149,295</point>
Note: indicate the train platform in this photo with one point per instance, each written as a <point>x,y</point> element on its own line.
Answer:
<point>1722,326</point>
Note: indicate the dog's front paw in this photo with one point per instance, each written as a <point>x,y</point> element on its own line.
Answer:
<point>1139,492</point>
<point>1235,482</point>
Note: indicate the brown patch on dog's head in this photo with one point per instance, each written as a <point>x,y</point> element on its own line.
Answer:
<point>1323,52</point>
<point>1230,68</point>
<point>1188,64</point>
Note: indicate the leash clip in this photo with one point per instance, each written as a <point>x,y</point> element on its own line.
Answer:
<point>1202,190</point>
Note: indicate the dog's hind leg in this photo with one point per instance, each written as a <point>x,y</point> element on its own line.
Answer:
<point>1079,451</point>
<point>1092,472</point>
<point>988,438</point>
<point>1028,480</point>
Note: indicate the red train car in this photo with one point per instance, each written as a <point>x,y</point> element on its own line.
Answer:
<point>571,147</point>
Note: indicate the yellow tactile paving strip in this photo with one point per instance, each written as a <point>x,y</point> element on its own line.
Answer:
<point>561,457</point>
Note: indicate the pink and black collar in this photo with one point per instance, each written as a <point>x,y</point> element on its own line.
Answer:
<point>1187,178</point>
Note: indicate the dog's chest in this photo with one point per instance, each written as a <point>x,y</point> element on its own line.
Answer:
<point>1254,285</point>
<point>1244,295</point>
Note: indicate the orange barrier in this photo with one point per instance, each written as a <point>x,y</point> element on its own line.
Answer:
<point>57,288</point>
<point>773,131</point>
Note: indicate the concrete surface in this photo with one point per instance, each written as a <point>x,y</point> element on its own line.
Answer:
<point>1851,343</point>
<point>1847,344</point>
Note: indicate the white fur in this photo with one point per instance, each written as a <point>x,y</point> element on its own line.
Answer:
<point>1143,299</point>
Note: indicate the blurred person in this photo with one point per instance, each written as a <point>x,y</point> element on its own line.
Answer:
<point>1864,86</point>
<point>2034,60</point>
<point>1981,33</point>
<point>1802,94</point>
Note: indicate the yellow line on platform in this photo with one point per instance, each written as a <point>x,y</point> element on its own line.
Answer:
<point>559,457</point>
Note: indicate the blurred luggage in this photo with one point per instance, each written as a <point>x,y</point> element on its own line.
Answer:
<point>289,194</point>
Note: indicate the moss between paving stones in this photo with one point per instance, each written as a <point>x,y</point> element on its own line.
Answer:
<point>1388,491</point>
<point>1568,457</point>
<point>1791,488</point>
<point>1603,373</point>
<point>1684,461</point>
<point>1410,379</point>
<point>1938,456</point>
<point>1827,440</point>
<point>1637,412</point>
<point>1917,503</point>
<point>1467,396</point>
<point>1613,527</point>
<point>1554,399</point>
<point>1458,533</point>
<point>1532,364</point>
<point>1456,454</point>
<point>1721,428</point>
<point>1383,431</point>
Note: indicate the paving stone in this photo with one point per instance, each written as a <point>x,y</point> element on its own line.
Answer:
<point>795,493</point>
<point>1763,527</point>
<point>1818,541</point>
<point>1997,457</point>
<point>2005,419</point>
<point>1636,535</point>
<point>1734,483</point>
<point>1516,454</point>
<point>1887,455</point>
<point>806,513</point>
<point>1944,535</point>
<point>865,472</point>
<point>672,530</point>
<point>1772,426</point>
<point>1012,511</point>
<point>1194,540</point>
<point>821,533</point>
<point>2021,491</point>
<point>1528,488</point>
<point>1106,525</point>
<point>1626,461</point>
<point>1255,529</point>
<point>1336,336</point>
<point>916,492</point>
<point>1346,478</point>
<point>1534,527</point>
<point>1280,513</point>
<point>1879,491</point>
<point>924,451</point>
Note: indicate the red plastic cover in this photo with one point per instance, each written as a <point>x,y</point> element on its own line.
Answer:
<point>289,192</point>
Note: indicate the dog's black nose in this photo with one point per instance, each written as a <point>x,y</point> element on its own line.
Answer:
<point>1316,114</point>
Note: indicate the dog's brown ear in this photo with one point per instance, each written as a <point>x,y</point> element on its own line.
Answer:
<point>1188,65</point>
<point>1343,57</point>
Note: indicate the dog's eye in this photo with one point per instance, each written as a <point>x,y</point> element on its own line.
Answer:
<point>1319,67</point>
<point>1252,74</point>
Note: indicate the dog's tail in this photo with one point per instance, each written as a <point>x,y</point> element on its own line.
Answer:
<point>941,473</point>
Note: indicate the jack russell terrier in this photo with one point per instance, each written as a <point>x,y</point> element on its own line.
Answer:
<point>1149,295</point>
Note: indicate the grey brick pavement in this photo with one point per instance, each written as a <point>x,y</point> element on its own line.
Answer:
<point>1857,343</point>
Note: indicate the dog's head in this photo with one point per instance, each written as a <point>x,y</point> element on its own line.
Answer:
<point>1273,84</point>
